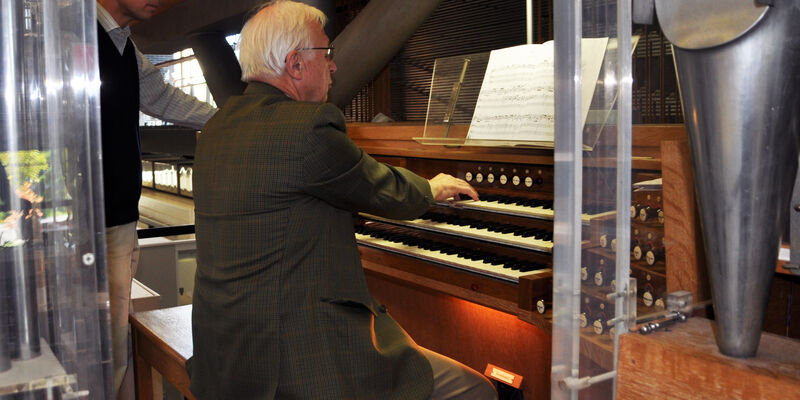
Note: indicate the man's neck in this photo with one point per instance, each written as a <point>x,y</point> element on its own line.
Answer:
<point>283,83</point>
<point>114,9</point>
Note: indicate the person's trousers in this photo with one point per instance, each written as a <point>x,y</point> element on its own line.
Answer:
<point>122,253</point>
<point>453,380</point>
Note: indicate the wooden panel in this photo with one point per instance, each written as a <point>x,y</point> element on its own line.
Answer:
<point>470,333</point>
<point>535,287</point>
<point>783,310</point>
<point>684,363</point>
<point>682,237</point>
<point>397,139</point>
<point>499,295</point>
<point>476,289</point>
<point>653,135</point>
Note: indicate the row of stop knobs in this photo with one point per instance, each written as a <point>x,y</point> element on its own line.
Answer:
<point>647,213</point>
<point>592,315</point>
<point>650,249</point>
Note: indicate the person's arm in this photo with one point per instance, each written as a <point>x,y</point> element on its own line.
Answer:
<point>160,100</point>
<point>339,172</point>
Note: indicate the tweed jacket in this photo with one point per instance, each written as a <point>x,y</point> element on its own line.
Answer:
<point>281,305</point>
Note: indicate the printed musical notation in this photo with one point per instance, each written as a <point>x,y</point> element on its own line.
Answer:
<point>516,100</point>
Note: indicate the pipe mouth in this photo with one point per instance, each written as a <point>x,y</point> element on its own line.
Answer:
<point>702,24</point>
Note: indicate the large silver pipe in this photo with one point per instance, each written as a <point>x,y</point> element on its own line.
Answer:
<point>738,67</point>
<point>25,304</point>
<point>219,65</point>
<point>370,41</point>
<point>5,313</point>
<point>18,105</point>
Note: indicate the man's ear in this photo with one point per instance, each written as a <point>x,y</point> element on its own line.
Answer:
<point>295,65</point>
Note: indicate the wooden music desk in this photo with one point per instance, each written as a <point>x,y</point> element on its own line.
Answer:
<point>162,340</point>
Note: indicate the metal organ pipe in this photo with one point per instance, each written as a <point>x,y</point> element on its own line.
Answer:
<point>25,304</point>
<point>735,63</point>
<point>370,41</point>
<point>5,314</point>
<point>219,65</point>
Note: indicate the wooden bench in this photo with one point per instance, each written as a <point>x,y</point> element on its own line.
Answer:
<point>162,340</point>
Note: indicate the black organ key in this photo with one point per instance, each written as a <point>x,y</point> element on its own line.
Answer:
<point>528,267</point>
<point>449,250</point>
<point>503,260</point>
<point>505,200</point>
<point>497,227</point>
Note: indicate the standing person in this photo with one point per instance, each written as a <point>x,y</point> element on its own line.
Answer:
<point>129,83</point>
<point>281,305</point>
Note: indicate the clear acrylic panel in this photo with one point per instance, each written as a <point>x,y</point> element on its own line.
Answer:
<point>592,197</point>
<point>54,321</point>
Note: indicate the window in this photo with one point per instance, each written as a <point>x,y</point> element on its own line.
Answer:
<point>182,70</point>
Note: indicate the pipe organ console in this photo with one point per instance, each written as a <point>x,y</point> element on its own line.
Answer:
<point>504,242</point>
<point>505,238</point>
<point>496,252</point>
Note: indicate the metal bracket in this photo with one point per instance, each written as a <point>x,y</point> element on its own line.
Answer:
<point>572,383</point>
<point>669,319</point>
<point>628,306</point>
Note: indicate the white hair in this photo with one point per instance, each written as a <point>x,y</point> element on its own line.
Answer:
<point>277,28</point>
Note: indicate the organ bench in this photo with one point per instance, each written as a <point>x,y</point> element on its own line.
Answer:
<point>162,341</point>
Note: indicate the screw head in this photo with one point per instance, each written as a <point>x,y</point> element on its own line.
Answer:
<point>88,259</point>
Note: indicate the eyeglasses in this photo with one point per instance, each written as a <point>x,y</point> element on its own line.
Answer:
<point>328,53</point>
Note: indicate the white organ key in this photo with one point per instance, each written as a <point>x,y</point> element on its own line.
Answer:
<point>475,233</point>
<point>537,212</point>
<point>512,209</point>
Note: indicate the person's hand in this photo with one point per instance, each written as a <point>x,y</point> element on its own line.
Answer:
<point>444,186</point>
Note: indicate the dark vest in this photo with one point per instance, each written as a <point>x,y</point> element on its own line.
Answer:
<point>119,116</point>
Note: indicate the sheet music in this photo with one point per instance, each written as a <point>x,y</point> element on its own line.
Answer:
<point>516,100</point>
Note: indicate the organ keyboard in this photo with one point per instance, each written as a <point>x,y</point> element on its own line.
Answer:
<point>531,238</point>
<point>498,266</point>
